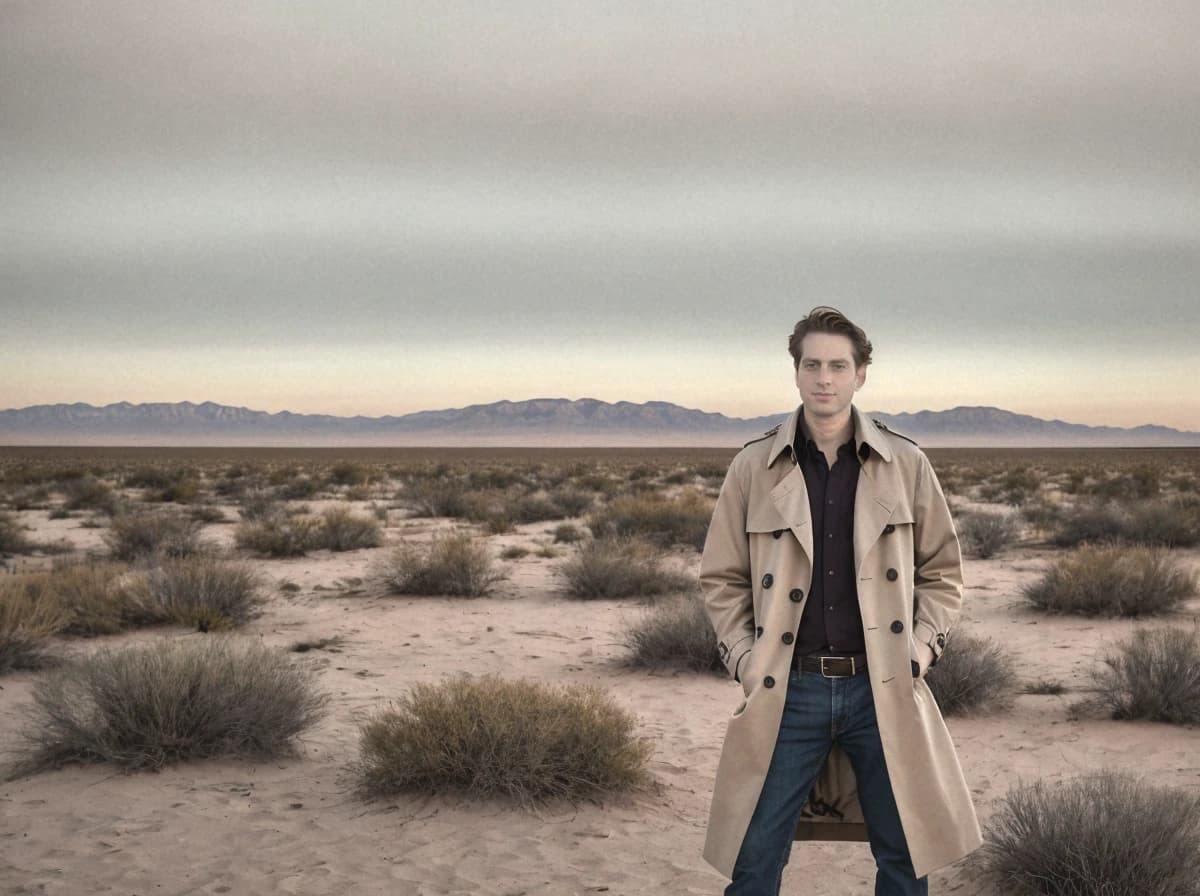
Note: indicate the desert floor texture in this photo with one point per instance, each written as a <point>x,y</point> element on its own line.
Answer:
<point>296,825</point>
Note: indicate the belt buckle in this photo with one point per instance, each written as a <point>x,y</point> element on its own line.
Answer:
<point>828,675</point>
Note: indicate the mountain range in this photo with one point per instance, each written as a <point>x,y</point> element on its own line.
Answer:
<point>541,421</point>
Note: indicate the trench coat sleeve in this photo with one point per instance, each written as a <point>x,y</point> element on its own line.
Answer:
<point>725,575</point>
<point>938,583</point>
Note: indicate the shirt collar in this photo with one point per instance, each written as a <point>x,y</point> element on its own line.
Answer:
<point>865,433</point>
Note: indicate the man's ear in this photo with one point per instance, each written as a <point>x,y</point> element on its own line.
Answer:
<point>860,376</point>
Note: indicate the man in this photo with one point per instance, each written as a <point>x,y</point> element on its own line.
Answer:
<point>832,575</point>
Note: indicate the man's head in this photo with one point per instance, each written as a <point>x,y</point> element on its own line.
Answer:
<point>824,319</point>
<point>831,355</point>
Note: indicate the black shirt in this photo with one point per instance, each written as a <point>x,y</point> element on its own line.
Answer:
<point>832,621</point>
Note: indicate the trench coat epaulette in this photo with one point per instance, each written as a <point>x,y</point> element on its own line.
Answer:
<point>766,435</point>
<point>893,432</point>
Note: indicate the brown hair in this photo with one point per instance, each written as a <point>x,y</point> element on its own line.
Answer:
<point>824,319</point>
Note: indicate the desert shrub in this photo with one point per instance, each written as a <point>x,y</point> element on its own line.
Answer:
<point>206,513</point>
<point>89,493</point>
<point>278,535</point>
<point>665,521</point>
<point>145,706</point>
<point>674,634</point>
<point>972,675</point>
<point>514,552</point>
<point>572,501</point>
<point>453,565</point>
<point>26,625</point>
<point>348,474</point>
<point>343,530</point>
<point>985,534</point>
<point>260,504</point>
<point>435,496</point>
<point>184,490</point>
<point>619,567</point>
<point>1112,580</point>
<point>95,599</point>
<point>567,533</point>
<point>1153,675</point>
<point>12,536</point>
<point>1170,523</point>
<point>152,478</point>
<point>1141,482</point>
<point>488,738</point>
<point>1102,834</point>
<point>163,533</point>
<point>298,488</point>
<point>203,592</point>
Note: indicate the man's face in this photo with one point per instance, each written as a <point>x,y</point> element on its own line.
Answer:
<point>827,376</point>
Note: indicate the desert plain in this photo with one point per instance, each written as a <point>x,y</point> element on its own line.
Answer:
<point>297,823</point>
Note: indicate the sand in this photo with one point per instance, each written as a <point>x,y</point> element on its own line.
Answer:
<point>295,825</point>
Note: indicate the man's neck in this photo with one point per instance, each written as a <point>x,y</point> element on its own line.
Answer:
<point>830,433</point>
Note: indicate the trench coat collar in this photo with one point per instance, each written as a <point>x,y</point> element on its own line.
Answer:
<point>865,433</point>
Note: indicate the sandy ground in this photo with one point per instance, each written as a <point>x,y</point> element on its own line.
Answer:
<point>296,825</point>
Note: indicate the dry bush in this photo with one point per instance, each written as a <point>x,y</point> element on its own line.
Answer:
<point>620,567</point>
<point>260,504</point>
<point>26,625</point>
<point>202,592</point>
<point>1112,580</point>
<point>453,565</point>
<point>144,706</point>
<point>973,675</point>
<point>674,634</point>
<point>491,738</point>
<point>572,501</point>
<point>567,533</point>
<point>154,534</point>
<point>514,552</point>
<point>1102,834</point>
<point>348,473</point>
<point>343,530</point>
<point>438,495</point>
<point>985,534</point>
<point>278,535</point>
<point>12,536</point>
<point>1169,523</point>
<point>95,599</point>
<point>89,493</point>
<point>1154,675</point>
<point>665,521</point>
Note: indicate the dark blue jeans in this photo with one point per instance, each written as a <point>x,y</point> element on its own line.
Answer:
<point>819,713</point>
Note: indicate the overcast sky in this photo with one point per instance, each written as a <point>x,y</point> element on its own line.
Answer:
<point>382,207</point>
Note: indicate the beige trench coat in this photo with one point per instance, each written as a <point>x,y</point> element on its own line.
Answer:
<point>755,575</point>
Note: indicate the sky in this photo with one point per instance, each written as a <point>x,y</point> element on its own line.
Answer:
<point>381,207</point>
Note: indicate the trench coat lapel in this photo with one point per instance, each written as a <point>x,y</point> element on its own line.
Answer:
<point>790,497</point>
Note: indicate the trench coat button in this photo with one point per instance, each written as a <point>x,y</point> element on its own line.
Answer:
<point>788,638</point>
<point>897,626</point>
<point>796,595</point>
<point>758,632</point>
<point>892,575</point>
<point>768,580</point>
<point>889,529</point>
<point>768,682</point>
<point>778,533</point>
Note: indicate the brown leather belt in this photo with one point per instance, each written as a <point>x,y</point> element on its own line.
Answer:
<point>834,666</point>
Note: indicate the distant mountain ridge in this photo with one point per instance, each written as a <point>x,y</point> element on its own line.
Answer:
<point>539,421</point>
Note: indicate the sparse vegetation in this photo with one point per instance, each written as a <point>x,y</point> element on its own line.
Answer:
<point>1154,675</point>
<point>1112,580</point>
<point>674,634</point>
<point>620,567</point>
<point>1171,523</point>
<point>146,534</point>
<point>13,539</point>
<point>343,530</point>
<point>203,592</point>
<point>984,534</point>
<point>453,565</point>
<point>973,675</point>
<point>664,521</point>
<point>1045,686</point>
<point>278,535</point>
<point>145,706</point>
<point>1103,833</point>
<point>26,625</point>
<point>492,738</point>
